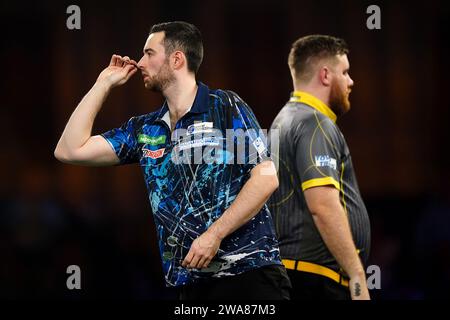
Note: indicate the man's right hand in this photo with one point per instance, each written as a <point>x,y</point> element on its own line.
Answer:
<point>118,72</point>
<point>76,145</point>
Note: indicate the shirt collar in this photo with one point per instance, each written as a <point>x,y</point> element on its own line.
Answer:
<point>310,100</point>
<point>166,116</point>
<point>201,103</point>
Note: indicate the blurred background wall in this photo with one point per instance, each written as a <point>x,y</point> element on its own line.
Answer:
<point>54,215</point>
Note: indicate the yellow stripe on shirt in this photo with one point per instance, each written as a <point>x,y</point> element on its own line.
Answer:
<point>320,182</point>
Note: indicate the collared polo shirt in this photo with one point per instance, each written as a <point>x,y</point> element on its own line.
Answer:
<point>312,153</point>
<point>193,174</point>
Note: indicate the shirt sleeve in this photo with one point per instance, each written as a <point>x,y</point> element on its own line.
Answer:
<point>317,152</point>
<point>123,142</point>
<point>255,142</point>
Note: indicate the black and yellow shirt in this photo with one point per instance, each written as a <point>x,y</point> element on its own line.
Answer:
<point>312,152</point>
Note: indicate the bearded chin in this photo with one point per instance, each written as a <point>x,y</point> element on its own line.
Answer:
<point>339,102</point>
<point>155,85</point>
<point>160,81</point>
<point>158,84</point>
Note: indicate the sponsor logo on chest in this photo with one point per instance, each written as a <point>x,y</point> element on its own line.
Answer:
<point>154,154</point>
<point>200,127</point>
<point>143,138</point>
<point>208,141</point>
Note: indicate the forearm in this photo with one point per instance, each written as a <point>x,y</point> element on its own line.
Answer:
<point>334,228</point>
<point>79,127</point>
<point>252,197</point>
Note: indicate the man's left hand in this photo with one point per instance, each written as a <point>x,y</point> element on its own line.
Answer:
<point>203,249</point>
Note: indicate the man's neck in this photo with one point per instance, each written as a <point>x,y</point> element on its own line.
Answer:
<point>321,94</point>
<point>180,97</point>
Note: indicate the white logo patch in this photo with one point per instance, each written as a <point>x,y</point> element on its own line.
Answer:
<point>209,141</point>
<point>325,161</point>
<point>259,145</point>
<point>201,127</point>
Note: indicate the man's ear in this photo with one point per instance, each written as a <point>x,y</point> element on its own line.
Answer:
<point>178,60</point>
<point>325,76</point>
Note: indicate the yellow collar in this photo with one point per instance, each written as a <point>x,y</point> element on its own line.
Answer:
<point>306,98</point>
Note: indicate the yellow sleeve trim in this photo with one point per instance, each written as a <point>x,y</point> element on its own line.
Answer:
<point>320,182</point>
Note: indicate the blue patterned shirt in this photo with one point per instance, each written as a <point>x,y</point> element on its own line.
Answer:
<point>193,174</point>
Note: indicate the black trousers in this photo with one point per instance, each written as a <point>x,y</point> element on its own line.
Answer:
<point>265,283</point>
<point>310,286</point>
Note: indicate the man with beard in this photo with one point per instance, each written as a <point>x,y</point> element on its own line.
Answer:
<point>320,217</point>
<point>215,233</point>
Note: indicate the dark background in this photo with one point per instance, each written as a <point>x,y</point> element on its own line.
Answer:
<point>55,215</point>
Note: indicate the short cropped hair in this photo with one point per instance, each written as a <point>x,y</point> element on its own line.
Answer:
<point>183,36</point>
<point>307,51</point>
